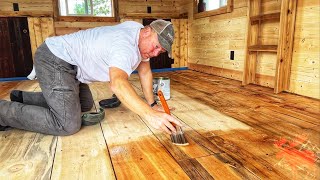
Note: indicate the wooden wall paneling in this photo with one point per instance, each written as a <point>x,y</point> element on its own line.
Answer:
<point>55,9</point>
<point>85,19</point>
<point>239,4</point>
<point>132,19</point>
<point>266,63</point>
<point>26,13</point>
<point>138,9</point>
<point>211,40</point>
<point>47,28</point>
<point>6,59</point>
<point>230,6</point>
<point>269,33</point>
<point>183,42</point>
<point>39,29</point>
<point>64,27</point>
<point>252,36</point>
<point>285,45</point>
<point>228,73</point>
<point>115,6</point>
<point>305,68</point>
<point>32,8</point>
<point>176,43</point>
<point>64,24</point>
<point>303,81</point>
<point>271,6</point>
<point>186,7</point>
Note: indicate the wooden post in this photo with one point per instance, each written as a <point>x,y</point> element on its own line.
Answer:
<point>252,39</point>
<point>285,45</point>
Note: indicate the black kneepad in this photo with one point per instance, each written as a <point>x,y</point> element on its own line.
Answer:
<point>110,103</point>
<point>92,117</point>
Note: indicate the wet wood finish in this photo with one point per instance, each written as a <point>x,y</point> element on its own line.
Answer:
<point>135,152</point>
<point>268,116</point>
<point>234,132</point>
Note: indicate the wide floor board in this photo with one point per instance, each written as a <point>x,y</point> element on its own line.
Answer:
<point>234,132</point>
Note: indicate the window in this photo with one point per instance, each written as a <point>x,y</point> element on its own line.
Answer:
<point>214,4</point>
<point>205,8</point>
<point>86,8</point>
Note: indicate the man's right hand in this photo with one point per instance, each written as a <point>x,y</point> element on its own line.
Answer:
<point>160,108</point>
<point>124,91</point>
<point>163,121</point>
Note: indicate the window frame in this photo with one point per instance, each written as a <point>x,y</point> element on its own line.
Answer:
<point>86,18</point>
<point>222,10</point>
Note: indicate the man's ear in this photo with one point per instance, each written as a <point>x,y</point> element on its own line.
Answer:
<point>146,31</point>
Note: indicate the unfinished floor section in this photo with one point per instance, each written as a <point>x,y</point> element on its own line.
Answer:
<point>234,132</point>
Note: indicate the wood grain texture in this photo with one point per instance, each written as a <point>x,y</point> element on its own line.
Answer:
<point>34,8</point>
<point>39,29</point>
<point>83,156</point>
<point>270,125</point>
<point>285,45</point>
<point>24,155</point>
<point>305,79</point>
<point>233,131</point>
<point>134,150</point>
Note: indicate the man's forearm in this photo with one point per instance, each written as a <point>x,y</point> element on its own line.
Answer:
<point>127,95</point>
<point>145,76</point>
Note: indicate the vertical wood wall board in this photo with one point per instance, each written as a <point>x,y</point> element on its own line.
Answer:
<point>39,29</point>
<point>176,43</point>
<point>27,5</point>
<point>304,78</point>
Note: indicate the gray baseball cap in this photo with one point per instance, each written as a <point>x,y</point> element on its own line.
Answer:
<point>165,33</point>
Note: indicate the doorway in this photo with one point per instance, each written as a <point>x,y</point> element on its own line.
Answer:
<point>15,48</point>
<point>161,61</point>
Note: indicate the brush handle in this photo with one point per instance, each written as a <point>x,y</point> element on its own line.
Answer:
<point>178,137</point>
<point>163,102</point>
<point>165,105</point>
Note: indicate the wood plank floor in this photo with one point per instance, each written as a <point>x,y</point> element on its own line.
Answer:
<point>234,132</point>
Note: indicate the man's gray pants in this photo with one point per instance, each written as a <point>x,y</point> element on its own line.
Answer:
<point>57,109</point>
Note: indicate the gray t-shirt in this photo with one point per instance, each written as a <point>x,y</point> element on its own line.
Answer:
<point>93,51</point>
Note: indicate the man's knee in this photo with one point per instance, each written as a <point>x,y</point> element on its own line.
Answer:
<point>71,128</point>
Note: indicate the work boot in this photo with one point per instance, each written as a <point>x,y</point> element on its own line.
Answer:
<point>16,96</point>
<point>2,128</point>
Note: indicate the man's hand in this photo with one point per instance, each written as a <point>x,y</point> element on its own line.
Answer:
<point>122,88</point>
<point>160,108</point>
<point>162,121</point>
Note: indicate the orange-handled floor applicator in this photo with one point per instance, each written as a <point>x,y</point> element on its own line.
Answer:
<point>178,137</point>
